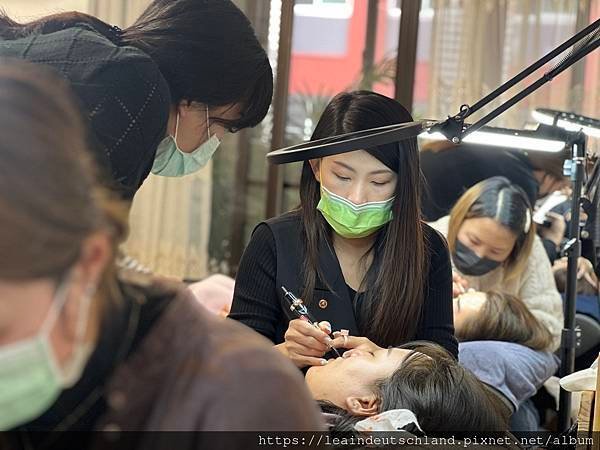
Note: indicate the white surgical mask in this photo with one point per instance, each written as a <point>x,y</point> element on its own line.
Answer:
<point>31,377</point>
<point>171,161</point>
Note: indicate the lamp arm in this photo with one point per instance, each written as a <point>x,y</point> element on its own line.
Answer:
<point>454,129</point>
<point>548,76</point>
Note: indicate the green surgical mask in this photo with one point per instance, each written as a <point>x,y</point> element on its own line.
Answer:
<point>171,161</point>
<point>31,377</point>
<point>354,221</point>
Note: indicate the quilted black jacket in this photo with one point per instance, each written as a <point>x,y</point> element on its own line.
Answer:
<point>121,90</point>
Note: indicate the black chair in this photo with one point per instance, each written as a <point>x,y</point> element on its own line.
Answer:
<point>589,333</point>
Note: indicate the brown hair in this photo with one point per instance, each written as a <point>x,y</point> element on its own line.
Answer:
<point>584,287</point>
<point>497,198</point>
<point>551,163</point>
<point>392,302</point>
<point>442,394</point>
<point>504,317</point>
<point>49,199</point>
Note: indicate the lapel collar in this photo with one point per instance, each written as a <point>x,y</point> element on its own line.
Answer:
<point>331,269</point>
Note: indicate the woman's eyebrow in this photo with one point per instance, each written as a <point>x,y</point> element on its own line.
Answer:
<point>380,171</point>
<point>345,166</point>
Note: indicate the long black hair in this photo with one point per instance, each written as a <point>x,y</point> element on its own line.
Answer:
<point>551,163</point>
<point>391,305</point>
<point>206,50</point>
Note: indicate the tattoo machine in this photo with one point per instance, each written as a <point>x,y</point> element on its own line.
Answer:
<point>298,307</point>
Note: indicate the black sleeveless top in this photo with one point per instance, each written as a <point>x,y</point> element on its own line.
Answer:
<point>274,258</point>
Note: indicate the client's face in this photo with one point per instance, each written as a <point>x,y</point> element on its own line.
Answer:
<point>348,382</point>
<point>467,305</point>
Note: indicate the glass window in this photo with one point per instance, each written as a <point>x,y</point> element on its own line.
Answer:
<point>333,9</point>
<point>395,6</point>
<point>321,27</point>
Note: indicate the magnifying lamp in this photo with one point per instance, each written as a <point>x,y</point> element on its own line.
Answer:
<point>568,121</point>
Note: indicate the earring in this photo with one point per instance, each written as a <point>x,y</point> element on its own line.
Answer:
<point>207,122</point>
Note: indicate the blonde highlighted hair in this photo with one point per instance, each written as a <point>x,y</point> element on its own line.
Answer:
<point>497,198</point>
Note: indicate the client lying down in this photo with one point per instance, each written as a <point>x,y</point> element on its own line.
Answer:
<point>420,377</point>
<point>492,316</point>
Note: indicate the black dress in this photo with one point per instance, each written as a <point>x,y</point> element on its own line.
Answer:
<point>274,258</point>
<point>121,91</point>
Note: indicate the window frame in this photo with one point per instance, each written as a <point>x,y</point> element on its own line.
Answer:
<point>323,9</point>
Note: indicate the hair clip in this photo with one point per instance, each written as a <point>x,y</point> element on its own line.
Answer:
<point>116,31</point>
<point>527,221</point>
<point>300,309</point>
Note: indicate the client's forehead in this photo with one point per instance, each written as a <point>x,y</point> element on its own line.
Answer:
<point>396,353</point>
<point>404,353</point>
<point>473,298</point>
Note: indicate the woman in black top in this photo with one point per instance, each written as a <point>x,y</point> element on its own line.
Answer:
<point>382,274</point>
<point>160,94</point>
<point>537,173</point>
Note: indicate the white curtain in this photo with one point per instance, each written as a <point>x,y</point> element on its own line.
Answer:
<point>479,44</point>
<point>170,225</point>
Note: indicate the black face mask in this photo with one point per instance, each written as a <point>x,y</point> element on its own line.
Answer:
<point>467,261</point>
